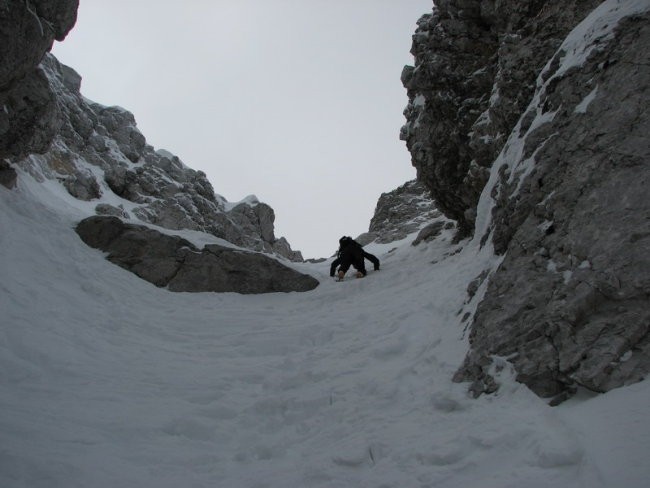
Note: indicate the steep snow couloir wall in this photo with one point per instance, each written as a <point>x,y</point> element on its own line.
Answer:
<point>529,124</point>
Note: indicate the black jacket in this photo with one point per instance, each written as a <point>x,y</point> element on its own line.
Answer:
<point>351,253</point>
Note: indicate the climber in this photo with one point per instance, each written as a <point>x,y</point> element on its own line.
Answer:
<point>351,253</point>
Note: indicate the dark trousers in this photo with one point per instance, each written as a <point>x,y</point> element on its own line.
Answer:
<point>348,259</point>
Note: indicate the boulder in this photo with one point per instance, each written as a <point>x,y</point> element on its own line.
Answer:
<point>173,262</point>
<point>107,209</point>
<point>27,31</point>
<point>403,211</point>
<point>220,269</point>
<point>82,185</point>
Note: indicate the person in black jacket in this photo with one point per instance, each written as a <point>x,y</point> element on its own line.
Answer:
<point>351,253</point>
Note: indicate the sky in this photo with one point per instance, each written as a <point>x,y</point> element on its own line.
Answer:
<point>297,102</point>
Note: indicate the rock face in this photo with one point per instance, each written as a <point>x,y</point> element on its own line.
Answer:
<point>8,175</point>
<point>575,229</point>
<point>27,31</point>
<point>99,154</point>
<point>172,262</point>
<point>554,113</point>
<point>475,68</point>
<point>403,211</point>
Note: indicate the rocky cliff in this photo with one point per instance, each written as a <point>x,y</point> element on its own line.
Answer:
<point>51,132</point>
<point>98,154</point>
<point>27,31</point>
<point>528,122</point>
<point>404,211</point>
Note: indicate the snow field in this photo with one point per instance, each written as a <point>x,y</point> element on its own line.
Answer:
<point>109,381</point>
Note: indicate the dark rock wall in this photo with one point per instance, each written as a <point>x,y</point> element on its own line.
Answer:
<point>175,263</point>
<point>27,104</point>
<point>475,68</point>
<point>569,305</point>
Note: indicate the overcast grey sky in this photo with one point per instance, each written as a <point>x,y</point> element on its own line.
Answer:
<point>298,102</point>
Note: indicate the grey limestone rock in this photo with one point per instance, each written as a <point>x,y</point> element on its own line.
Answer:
<point>107,209</point>
<point>474,73</point>
<point>173,262</point>
<point>28,116</point>
<point>92,139</point>
<point>220,269</point>
<point>27,108</point>
<point>122,126</point>
<point>401,212</point>
<point>570,304</point>
<point>82,185</point>
<point>432,231</point>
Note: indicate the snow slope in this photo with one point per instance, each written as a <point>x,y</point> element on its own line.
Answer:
<point>107,381</point>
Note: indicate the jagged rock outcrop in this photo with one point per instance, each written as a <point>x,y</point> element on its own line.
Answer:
<point>28,109</point>
<point>173,262</point>
<point>570,304</point>
<point>99,154</point>
<point>475,67</point>
<point>403,211</point>
<point>553,111</point>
